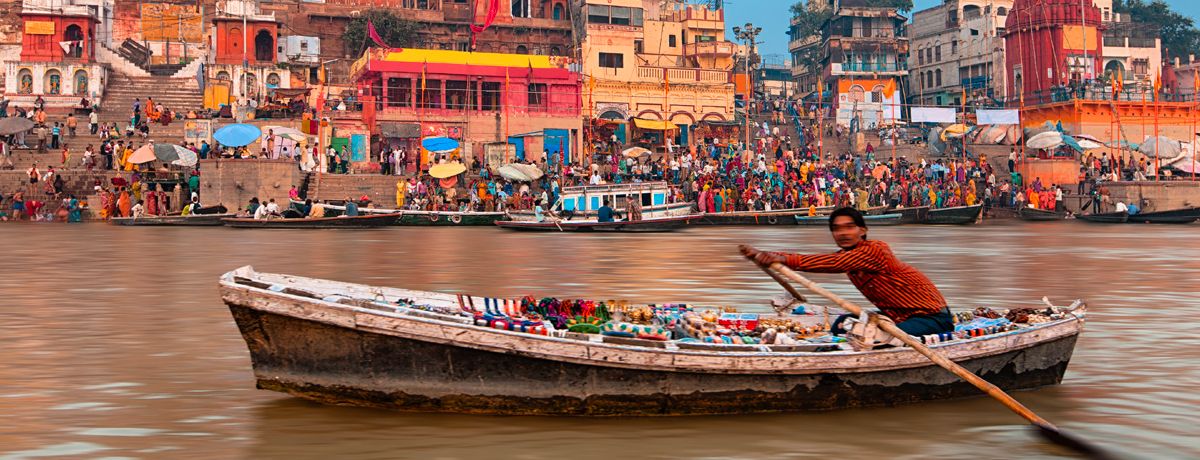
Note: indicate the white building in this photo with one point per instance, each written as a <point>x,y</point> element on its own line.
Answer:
<point>958,46</point>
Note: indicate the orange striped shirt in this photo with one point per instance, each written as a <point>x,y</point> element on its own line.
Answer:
<point>898,289</point>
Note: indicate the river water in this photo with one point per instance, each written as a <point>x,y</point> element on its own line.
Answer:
<point>115,344</point>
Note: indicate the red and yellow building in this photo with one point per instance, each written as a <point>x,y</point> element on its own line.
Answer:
<point>477,98</point>
<point>57,57</point>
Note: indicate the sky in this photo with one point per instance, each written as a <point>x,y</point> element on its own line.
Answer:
<point>773,16</point>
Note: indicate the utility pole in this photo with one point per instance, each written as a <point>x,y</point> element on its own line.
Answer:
<point>749,34</point>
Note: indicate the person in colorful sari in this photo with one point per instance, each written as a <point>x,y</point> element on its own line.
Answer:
<point>123,204</point>
<point>74,211</point>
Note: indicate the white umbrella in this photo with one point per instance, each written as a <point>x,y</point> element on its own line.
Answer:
<point>1046,140</point>
<point>513,174</point>
<point>634,152</point>
<point>1166,147</point>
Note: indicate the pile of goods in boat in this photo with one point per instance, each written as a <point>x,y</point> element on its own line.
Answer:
<point>683,323</point>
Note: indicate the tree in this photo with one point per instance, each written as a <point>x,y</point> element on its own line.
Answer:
<point>394,30</point>
<point>1178,32</point>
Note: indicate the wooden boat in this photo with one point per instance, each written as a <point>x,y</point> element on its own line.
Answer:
<point>660,224</point>
<point>1171,216</point>
<point>1105,217</point>
<point>369,221</point>
<point>208,220</point>
<point>422,218</point>
<point>885,219</point>
<point>910,215</point>
<point>583,202</point>
<point>352,344</point>
<point>1034,214</point>
<point>780,217</point>
<point>960,215</point>
<point>210,210</point>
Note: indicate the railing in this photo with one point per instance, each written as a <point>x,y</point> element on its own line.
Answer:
<point>656,74</point>
<point>708,48</point>
<point>872,67</point>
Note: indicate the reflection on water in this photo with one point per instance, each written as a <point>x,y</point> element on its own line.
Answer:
<point>115,343</point>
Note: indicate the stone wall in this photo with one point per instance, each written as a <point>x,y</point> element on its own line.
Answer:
<point>381,189</point>
<point>1157,196</point>
<point>234,182</point>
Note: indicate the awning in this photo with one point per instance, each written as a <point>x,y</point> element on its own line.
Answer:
<point>655,125</point>
<point>399,130</point>
<point>291,92</point>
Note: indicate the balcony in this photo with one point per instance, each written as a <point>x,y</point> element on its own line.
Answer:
<point>709,49</point>
<point>844,68</point>
<point>683,76</point>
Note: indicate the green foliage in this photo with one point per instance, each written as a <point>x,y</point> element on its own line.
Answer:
<point>394,30</point>
<point>1179,34</point>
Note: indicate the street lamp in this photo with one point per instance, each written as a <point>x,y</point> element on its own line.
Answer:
<point>748,34</point>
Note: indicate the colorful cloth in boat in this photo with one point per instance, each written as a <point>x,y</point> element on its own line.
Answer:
<point>899,290</point>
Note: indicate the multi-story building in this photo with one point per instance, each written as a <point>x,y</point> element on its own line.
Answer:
<point>863,62</point>
<point>804,46</point>
<point>1132,51</point>
<point>958,48</point>
<point>659,64</point>
<point>57,60</point>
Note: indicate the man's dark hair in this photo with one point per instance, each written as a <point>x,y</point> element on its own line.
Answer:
<point>850,212</point>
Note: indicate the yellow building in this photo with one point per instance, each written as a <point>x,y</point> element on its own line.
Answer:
<point>650,61</point>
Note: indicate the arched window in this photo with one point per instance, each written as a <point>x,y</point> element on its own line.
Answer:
<point>1001,11</point>
<point>521,9</point>
<point>74,34</point>
<point>273,79</point>
<point>81,83</point>
<point>558,11</point>
<point>223,75</point>
<point>1115,70</point>
<point>53,82</point>
<point>877,94</point>
<point>857,93</point>
<point>521,49</point>
<point>554,51</point>
<point>24,82</point>
<point>264,46</point>
<point>938,77</point>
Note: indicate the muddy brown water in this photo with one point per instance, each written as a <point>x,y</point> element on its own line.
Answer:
<point>114,343</point>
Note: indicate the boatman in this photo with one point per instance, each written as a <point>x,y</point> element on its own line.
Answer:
<point>901,292</point>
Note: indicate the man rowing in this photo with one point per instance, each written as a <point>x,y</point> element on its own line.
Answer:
<point>901,292</point>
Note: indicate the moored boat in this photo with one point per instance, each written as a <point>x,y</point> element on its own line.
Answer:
<point>367,221</point>
<point>659,224</point>
<point>210,210</point>
<point>1034,214</point>
<point>910,215</point>
<point>884,219</point>
<point>1105,217</point>
<point>421,218</point>
<point>344,343</point>
<point>194,220</point>
<point>959,215</point>
<point>583,202</point>
<point>1170,216</point>
<point>779,217</point>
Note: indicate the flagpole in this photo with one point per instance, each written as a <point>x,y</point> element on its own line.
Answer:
<point>1192,135</point>
<point>1157,165</point>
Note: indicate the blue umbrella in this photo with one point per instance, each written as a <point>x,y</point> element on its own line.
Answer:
<point>237,135</point>
<point>439,144</point>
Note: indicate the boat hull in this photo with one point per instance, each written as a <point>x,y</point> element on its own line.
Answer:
<point>370,221</point>
<point>962,215</point>
<point>784,217</point>
<point>1173,216</point>
<point>885,219</point>
<point>337,365</point>
<point>1105,218</point>
<point>208,220</point>
<point>911,215</point>
<point>637,226</point>
<point>1038,215</point>
<point>454,219</point>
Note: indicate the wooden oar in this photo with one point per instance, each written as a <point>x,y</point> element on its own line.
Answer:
<point>1047,429</point>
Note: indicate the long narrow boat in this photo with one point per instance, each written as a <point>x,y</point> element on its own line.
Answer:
<point>1171,216</point>
<point>369,221</point>
<point>659,224</point>
<point>960,215</point>
<point>910,215</point>
<point>1034,214</point>
<point>352,344</point>
<point>1105,217</point>
<point>779,217</point>
<point>885,219</point>
<point>195,220</point>
<point>422,218</point>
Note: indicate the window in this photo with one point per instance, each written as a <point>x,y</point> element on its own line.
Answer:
<point>954,47</point>
<point>1003,12</point>
<point>705,38</point>
<point>521,49</point>
<point>615,15</point>
<point>619,16</point>
<point>399,92</point>
<point>877,94</point>
<point>938,77</point>
<point>974,32</point>
<point>456,94</point>
<point>490,99</point>
<point>537,96</point>
<point>929,79</point>
<point>520,9</point>
<point>921,80</point>
<point>920,57</point>
<point>671,41</point>
<point>612,60</point>
<point>857,93</point>
<point>431,98</point>
<point>937,53</point>
<point>639,46</point>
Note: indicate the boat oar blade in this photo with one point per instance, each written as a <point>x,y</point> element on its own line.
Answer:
<point>1053,434</point>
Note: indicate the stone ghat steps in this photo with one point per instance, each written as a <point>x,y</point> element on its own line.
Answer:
<point>77,182</point>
